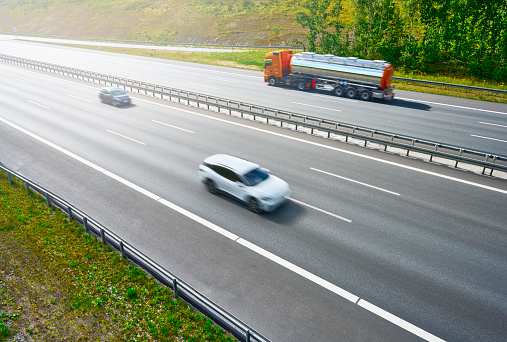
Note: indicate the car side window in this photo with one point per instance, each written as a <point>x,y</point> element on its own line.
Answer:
<point>226,173</point>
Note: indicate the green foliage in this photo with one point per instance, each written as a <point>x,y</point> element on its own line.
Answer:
<point>430,36</point>
<point>57,283</point>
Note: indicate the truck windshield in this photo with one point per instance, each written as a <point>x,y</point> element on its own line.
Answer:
<point>267,63</point>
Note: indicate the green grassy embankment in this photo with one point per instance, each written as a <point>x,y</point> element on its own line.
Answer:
<point>58,283</point>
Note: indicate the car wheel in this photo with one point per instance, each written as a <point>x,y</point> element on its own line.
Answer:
<point>211,187</point>
<point>272,81</point>
<point>253,206</point>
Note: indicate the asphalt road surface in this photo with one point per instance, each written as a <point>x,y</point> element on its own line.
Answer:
<point>371,246</point>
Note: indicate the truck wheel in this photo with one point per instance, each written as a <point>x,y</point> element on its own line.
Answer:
<point>365,95</point>
<point>301,85</point>
<point>338,91</point>
<point>272,81</point>
<point>351,93</point>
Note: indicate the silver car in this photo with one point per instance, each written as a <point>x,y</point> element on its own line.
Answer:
<point>245,181</point>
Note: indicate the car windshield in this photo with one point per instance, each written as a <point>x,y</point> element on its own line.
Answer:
<point>255,176</point>
<point>118,92</point>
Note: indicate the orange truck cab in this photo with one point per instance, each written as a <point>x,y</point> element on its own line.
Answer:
<point>277,65</point>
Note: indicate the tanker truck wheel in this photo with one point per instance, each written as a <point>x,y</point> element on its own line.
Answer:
<point>365,95</point>
<point>351,93</point>
<point>272,81</point>
<point>338,91</point>
<point>301,85</point>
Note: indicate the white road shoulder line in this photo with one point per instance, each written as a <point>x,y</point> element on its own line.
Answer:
<point>165,124</point>
<point>454,106</point>
<point>354,181</point>
<point>308,105</point>
<point>399,322</point>
<point>298,270</point>
<point>123,136</point>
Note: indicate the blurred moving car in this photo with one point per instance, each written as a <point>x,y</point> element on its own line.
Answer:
<point>245,181</point>
<point>115,96</point>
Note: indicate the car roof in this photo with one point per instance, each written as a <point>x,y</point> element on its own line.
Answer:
<point>112,88</point>
<point>242,166</point>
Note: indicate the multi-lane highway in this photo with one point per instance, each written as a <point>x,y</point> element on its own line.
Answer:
<point>422,242</point>
<point>467,123</point>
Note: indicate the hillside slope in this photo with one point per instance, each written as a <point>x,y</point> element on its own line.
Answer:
<point>189,21</point>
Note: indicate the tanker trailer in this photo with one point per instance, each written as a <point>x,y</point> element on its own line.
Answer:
<point>344,76</point>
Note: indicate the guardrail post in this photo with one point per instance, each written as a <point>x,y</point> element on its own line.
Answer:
<point>48,200</point>
<point>484,169</point>
<point>247,336</point>
<point>494,161</point>
<point>9,177</point>
<point>85,224</point>
<point>69,212</point>
<point>27,186</point>
<point>175,288</point>
<point>460,153</point>
<point>122,249</point>
<point>431,157</point>
<point>103,236</point>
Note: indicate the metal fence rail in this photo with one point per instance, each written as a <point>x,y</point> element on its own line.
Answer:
<point>450,85</point>
<point>180,288</point>
<point>144,42</point>
<point>313,125</point>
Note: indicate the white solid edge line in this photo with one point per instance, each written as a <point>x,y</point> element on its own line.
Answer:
<point>298,270</point>
<point>480,136</point>
<point>449,105</point>
<point>354,181</point>
<point>321,210</point>
<point>398,321</point>
<point>165,124</point>
<point>56,147</point>
<point>431,173</point>
<point>199,219</point>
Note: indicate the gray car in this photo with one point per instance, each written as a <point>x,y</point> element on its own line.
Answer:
<point>115,96</point>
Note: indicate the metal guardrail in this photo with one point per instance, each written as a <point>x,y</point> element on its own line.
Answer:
<point>450,85</point>
<point>180,288</point>
<point>296,121</point>
<point>140,42</point>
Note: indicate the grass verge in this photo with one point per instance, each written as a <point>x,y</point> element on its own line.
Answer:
<point>59,283</point>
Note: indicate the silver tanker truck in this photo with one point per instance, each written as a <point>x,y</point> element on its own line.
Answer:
<point>344,76</point>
